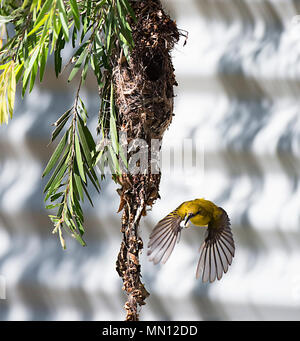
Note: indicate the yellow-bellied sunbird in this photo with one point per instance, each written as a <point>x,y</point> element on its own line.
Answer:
<point>217,250</point>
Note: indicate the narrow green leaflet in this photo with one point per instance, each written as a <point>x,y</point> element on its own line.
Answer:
<point>78,185</point>
<point>57,57</point>
<point>86,149</point>
<point>129,10</point>
<point>85,69</point>
<point>64,19</point>
<point>44,10</point>
<point>38,25</point>
<point>116,167</point>
<point>75,13</point>
<point>11,92</point>
<point>63,117</point>
<point>57,179</point>
<point>43,60</point>
<point>78,64</point>
<point>29,67</point>
<point>79,158</point>
<point>108,33</point>
<point>88,196</point>
<point>58,167</point>
<point>113,126</point>
<point>59,127</point>
<point>33,74</point>
<point>56,154</point>
<point>124,27</point>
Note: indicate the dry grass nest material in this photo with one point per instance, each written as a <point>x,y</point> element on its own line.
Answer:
<point>144,99</point>
<point>144,84</point>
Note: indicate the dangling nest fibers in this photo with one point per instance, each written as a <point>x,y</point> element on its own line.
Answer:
<point>144,99</point>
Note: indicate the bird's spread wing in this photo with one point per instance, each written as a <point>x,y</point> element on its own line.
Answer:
<point>163,238</point>
<point>217,251</point>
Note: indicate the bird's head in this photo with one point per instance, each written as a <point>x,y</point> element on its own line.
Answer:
<point>188,216</point>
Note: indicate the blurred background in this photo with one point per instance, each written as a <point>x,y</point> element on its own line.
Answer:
<point>238,94</point>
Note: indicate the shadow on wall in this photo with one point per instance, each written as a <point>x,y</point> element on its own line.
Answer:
<point>253,111</point>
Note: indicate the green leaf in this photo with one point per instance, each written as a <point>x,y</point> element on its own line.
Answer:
<point>56,196</point>
<point>95,65</point>
<point>84,144</point>
<point>57,57</point>
<point>61,208</point>
<point>78,184</point>
<point>112,123</point>
<point>79,158</point>
<point>64,19</point>
<point>79,238</point>
<point>108,32</point>
<point>85,69</point>
<point>98,156</point>
<point>79,224</point>
<point>75,13</point>
<point>115,161</point>
<point>58,167</point>
<point>88,8</point>
<point>38,25</point>
<point>19,72</point>
<point>74,36</point>
<point>78,64</point>
<point>56,154</point>
<point>43,60</point>
<point>129,9</point>
<point>59,127</point>
<point>29,68</point>
<point>78,210</point>
<point>71,190</point>
<point>88,196</point>
<point>88,136</point>
<point>57,180</point>
<point>72,226</point>
<point>83,112</point>
<point>33,75</point>
<point>63,117</point>
<point>11,93</point>
<point>3,108</point>
<point>124,26</point>
<point>100,4</point>
<point>24,46</point>
<point>93,177</point>
<point>44,10</point>
<point>51,206</point>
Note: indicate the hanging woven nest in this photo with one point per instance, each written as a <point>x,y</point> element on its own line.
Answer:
<point>144,96</point>
<point>144,84</point>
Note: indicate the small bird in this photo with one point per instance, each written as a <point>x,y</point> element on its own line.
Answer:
<point>217,250</point>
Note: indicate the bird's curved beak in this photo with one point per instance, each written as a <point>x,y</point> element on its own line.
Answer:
<point>188,217</point>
